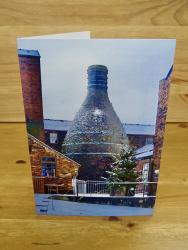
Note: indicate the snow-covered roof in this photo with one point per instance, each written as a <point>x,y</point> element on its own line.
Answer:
<point>139,129</point>
<point>130,129</point>
<point>59,125</point>
<point>30,53</point>
<point>145,151</point>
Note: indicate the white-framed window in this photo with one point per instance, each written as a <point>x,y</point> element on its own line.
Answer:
<point>48,166</point>
<point>53,138</point>
<point>145,172</point>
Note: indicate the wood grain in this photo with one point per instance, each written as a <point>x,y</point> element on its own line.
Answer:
<point>20,228</point>
<point>10,95</point>
<point>86,12</point>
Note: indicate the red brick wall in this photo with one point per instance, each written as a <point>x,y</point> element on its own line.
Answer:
<point>161,120</point>
<point>138,141</point>
<point>63,165</point>
<point>31,87</point>
<point>65,169</point>
<point>32,94</point>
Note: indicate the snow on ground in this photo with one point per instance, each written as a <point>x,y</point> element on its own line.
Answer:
<point>70,208</point>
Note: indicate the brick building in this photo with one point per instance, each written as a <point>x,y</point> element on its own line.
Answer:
<point>149,156</point>
<point>139,135</point>
<point>144,156</point>
<point>50,167</point>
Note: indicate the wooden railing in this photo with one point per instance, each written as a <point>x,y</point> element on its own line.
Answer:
<point>40,183</point>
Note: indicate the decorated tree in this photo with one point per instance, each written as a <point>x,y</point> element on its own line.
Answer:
<point>123,169</point>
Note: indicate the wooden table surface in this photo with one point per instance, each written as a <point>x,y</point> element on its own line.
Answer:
<point>20,228</point>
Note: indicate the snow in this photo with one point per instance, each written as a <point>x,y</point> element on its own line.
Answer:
<point>70,208</point>
<point>145,151</point>
<point>59,125</point>
<point>139,129</point>
<point>24,52</point>
<point>146,148</point>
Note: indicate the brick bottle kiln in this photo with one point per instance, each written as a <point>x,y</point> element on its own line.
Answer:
<point>96,133</point>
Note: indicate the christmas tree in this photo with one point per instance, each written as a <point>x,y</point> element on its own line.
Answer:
<point>123,169</point>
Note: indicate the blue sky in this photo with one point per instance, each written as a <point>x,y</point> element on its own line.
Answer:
<point>135,68</point>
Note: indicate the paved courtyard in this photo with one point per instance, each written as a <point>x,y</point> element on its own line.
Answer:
<point>68,208</point>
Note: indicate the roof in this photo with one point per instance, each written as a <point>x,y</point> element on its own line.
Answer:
<point>28,53</point>
<point>144,152</point>
<point>59,125</point>
<point>130,129</point>
<point>139,129</point>
<point>51,149</point>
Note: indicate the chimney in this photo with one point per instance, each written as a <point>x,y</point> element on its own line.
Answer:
<point>97,76</point>
<point>164,86</point>
<point>30,73</point>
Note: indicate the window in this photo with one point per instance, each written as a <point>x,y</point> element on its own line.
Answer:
<point>48,166</point>
<point>145,172</point>
<point>53,138</point>
<point>149,140</point>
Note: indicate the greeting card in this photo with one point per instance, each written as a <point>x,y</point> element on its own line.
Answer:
<point>95,114</point>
